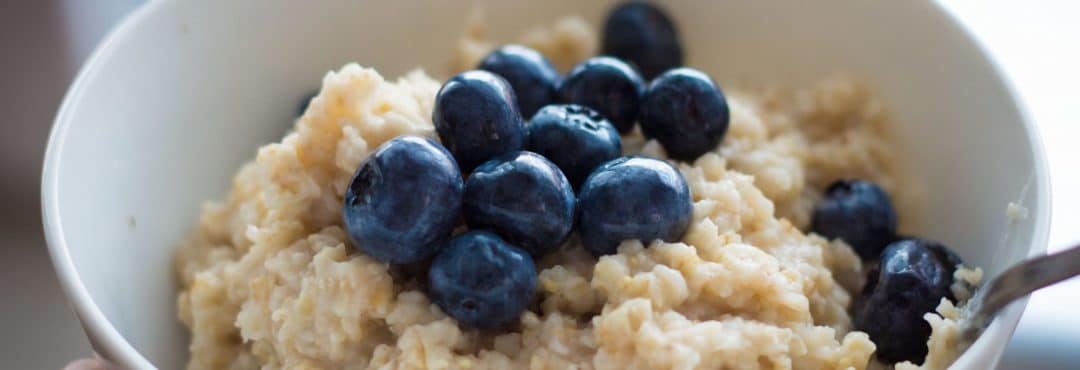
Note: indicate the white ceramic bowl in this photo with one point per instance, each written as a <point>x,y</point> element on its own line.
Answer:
<point>182,92</point>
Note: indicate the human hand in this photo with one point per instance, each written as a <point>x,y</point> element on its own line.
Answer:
<point>88,364</point>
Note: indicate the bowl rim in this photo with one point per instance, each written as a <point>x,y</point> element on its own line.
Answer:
<point>1005,323</point>
<point>112,346</point>
<point>104,338</point>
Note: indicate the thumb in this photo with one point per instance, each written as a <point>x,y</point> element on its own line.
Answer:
<point>87,364</point>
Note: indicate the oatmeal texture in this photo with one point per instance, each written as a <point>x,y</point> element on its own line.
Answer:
<point>945,323</point>
<point>269,280</point>
<point>565,42</point>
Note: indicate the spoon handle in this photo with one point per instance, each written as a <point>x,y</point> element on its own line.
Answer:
<point>1019,281</point>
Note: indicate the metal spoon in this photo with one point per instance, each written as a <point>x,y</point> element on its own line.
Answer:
<point>1015,283</point>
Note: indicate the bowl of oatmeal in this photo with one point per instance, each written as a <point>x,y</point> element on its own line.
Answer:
<point>194,216</point>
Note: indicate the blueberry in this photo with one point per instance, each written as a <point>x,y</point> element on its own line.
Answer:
<point>524,198</point>
<point>575,138</point>
<point>632,198</point>
<point>860,213</point>
<point>685,111</point>
<point>404,200</point>
<point>910,281</point>
<point>946,255</point>
<point>607,85</point>
<point>305,101</point>
<point>532,76</point>
<point>481,280</point>
<point>641,33</point>
<point>477,118</point>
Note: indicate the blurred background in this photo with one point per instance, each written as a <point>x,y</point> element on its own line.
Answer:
<point>44,42</point>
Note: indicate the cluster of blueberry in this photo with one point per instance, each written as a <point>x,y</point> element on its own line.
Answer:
<point>907,276</point>
<point>517,195</point>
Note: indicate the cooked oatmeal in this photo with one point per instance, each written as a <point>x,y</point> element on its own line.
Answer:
<point>269,279</point>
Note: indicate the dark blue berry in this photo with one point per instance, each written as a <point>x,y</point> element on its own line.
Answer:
<point>909,281</point>
<point>642,34</point>
<point>404,200</point>
<point>524,198</point>
<point>946,255</point>
<point>685,111</point>
<point>532,76</point>
<point>607,85</point>
<point>860,213</point>
<point>305,101</point>
<point>481,280</point>
<point>632,198</point>
<point>575,138</point>
<point>477,118</point>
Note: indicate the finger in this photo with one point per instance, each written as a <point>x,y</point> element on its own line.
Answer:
<point>87,364</point>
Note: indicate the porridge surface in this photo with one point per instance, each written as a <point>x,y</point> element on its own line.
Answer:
<point>268,278</point>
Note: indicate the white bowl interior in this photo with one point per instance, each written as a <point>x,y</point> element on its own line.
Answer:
<point>184,91</point>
